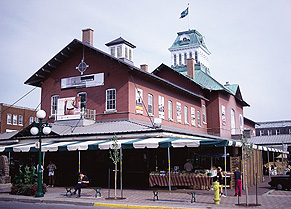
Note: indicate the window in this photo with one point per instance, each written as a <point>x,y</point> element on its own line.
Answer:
<point>112,51</point>
<point>14,119</point>
<point>161,107</point>
<point>129,54</point>
<point>196,57</point>
<point>20,120</point>
<point>126,54</point>
<point>223,117</point>
<point>193,116</point>
<point>241,125</point>
<point>31,120</point>
<point>269,132</point>
<point>277,132</point>
<point>190,55</point>
<point>9,119</point>
<point>232,121</point>
<point>261,132</point>
<point>185,58</point>
<point>111,99</point>
<point>204,114</point>
<point>119,52</point>
<point>175,60</point>
<point>150,104</point>
<point>180,59</point>
<point>198,119</point>
<point>289,131</point>
<point>54,104</point>
<point>170,110</point>
<point>186,114</point>
<point>83,99</point>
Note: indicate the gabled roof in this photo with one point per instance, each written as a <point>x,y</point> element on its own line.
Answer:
<point>120,41</point>
<point>37,78</point>
<point>205,81</point>
<point>190,38</point>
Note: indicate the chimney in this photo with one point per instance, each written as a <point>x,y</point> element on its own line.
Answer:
<point>191,68</point>
<point>144,67</point>
<point>88,36</point>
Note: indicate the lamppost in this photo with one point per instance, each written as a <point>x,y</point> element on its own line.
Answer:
<point>42,128</point>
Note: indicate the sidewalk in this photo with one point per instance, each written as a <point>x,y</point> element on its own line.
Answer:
<point>267,197</point>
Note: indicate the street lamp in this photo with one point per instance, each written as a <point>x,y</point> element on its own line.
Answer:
<point>42,128</point>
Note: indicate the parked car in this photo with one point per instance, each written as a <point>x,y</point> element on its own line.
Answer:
<point>281,181</point>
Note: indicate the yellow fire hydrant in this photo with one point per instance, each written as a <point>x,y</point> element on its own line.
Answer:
<point>216,188</point>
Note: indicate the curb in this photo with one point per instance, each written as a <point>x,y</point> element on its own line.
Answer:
<point>111,205</point>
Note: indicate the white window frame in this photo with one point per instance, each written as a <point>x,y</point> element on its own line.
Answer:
<point>54,104</point>
<point>170,110</point>
<point>139,101</point>
<point>232,119</point>
<point>110,100</point>
<point>112,51</point>
<point>193,117</point>
<point>82,104</point>
<point>150,104</point>
<point>186,115</point>
<point>9,118</point>
<point>241,123</point>
<point>277,131</point>
<point>204,114</point>
<point>31,119</point>
<point>198,118</point>
<point>269,132</point>
<point>14,119</point>
<point>20,120</point>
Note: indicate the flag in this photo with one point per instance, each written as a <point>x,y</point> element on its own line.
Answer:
<point>184,13</point>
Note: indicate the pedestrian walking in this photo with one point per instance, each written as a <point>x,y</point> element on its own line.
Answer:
<point>51,173</point>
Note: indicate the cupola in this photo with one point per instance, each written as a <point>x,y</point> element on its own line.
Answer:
<point>121,49</point>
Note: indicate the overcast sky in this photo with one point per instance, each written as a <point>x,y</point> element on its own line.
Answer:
<point>249,40</point>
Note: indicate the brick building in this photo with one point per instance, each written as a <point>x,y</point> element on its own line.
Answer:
<point>90,96</point>
<point>14,118</point>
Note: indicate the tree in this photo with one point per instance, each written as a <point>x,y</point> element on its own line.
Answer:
<point>115,157</point>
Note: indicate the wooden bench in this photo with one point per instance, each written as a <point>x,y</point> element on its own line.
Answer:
<point>69,191</point>
<point>98,191</point>
<point>191,192</point>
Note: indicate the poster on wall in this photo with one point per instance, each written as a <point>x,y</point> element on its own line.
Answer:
<point>179,113</point>
<point>68,108</point>
<point>193,122</point>
<point>223,118</point>
<point>161,107</point>
<point>138,101</point>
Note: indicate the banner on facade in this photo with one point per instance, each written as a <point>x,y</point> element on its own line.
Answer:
<point>161,107</point>
<point>138,101</point>
<point>223,118</point>
<point>84,81</point>
<point>68,108</point>
<point>193,122</point>
<point>179,113</point>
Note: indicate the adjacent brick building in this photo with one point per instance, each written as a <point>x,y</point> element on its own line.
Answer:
<point>15,118</point>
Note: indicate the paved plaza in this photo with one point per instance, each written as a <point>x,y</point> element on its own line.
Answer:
<point>267,198</point>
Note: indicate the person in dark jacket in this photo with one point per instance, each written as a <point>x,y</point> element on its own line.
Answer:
<point>237,178</point>
<point>220,179</point>
<point>83,182</point>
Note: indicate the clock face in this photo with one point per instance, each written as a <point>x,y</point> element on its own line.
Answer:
<point>82,67</point>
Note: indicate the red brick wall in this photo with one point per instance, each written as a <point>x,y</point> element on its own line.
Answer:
<point>25,112</point>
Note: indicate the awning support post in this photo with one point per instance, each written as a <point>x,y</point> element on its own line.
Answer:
<point>269,164</point>
<point>225,171</point>
<point>79,161</point>
<point>121,173</point>
<point>169,163</point>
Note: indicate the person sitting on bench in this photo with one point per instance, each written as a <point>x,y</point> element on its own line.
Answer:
<point>83,182</point>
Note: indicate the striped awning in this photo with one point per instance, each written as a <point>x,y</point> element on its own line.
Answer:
<point>104,144</point>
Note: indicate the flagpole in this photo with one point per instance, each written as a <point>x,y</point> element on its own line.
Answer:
<point>189,17</point>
